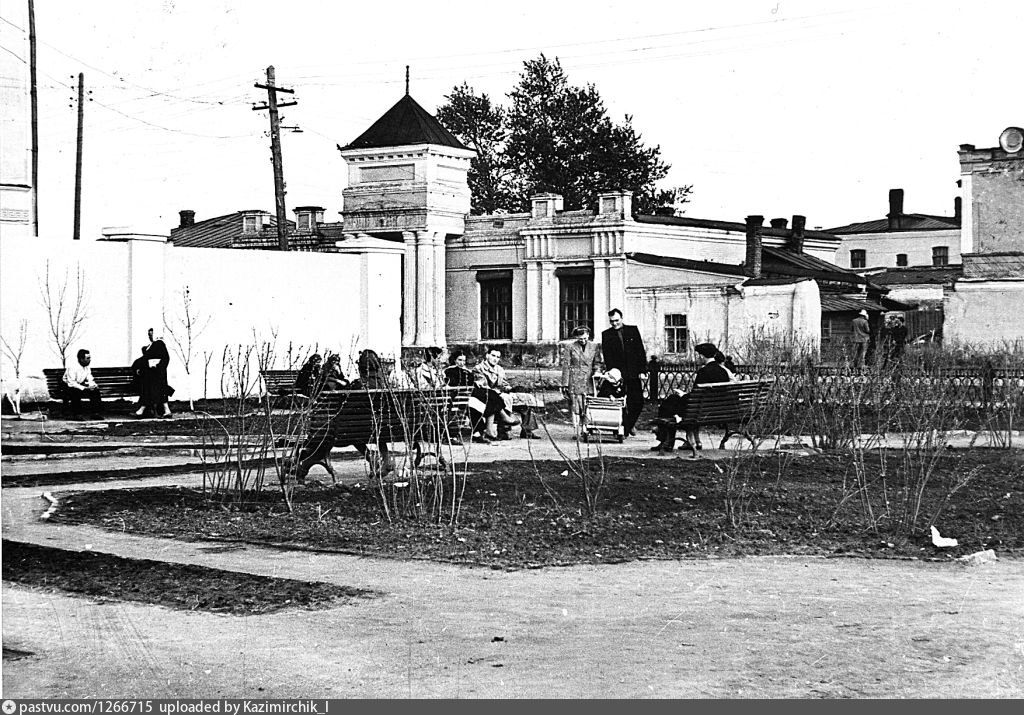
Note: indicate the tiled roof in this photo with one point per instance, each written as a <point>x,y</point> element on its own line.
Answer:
<point>725,226</point>
<point>404,124</point>
<point>908,222</point>
<point>917,276</point>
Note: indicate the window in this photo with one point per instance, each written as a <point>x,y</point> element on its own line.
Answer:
<point>676,335</point>
<point>496,308</point>
<point>826,330</point>
<point>302,222</point>
<point>940,255</point>
<point>577,300</point>
<point>901,259</point>
<point>858,258</point>
<point>250,224</point>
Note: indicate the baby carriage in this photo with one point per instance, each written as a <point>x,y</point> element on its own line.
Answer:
<point>602,411</point>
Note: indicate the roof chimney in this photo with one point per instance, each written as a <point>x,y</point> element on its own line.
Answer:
<point>188,218</point>
<point>752,264</point>
<point>778,223</point>
<point>796,234</point>
<point>895,208</point>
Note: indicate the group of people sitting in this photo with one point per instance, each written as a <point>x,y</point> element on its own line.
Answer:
<point>491,404</point>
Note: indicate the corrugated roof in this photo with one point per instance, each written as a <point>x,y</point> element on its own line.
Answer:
<point>843,304</point>
<point>726,226</point>
<point>405,124</point>
<point>908,222</point>
<point>216,232</point>
<point>686,263</point>
<point>919,275</point>
<point>781,261</point>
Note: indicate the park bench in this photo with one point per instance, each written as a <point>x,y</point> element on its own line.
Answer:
<point>279,382</point>
<point>112,381</point>
<point>725,404</point>
<point>360,418</point>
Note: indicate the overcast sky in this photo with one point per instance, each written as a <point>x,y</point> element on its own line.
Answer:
<point>769,107</point>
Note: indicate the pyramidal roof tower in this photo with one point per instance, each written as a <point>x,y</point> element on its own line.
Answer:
<point>407,181</point>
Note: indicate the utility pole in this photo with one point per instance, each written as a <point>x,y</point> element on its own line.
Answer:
<point>34,99</point>
<point>275,151</point>
<point>78,157</point>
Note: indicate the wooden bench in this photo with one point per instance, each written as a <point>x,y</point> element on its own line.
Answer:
<point>360,418</point>
<point>279,382</point>
<point>112,381</point>
<point>723,404</point>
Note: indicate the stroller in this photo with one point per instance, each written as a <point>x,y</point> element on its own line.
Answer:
<point>602,412</point>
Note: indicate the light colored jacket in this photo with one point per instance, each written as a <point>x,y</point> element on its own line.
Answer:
<point>490,377</point>
<point>79,377</point>
<point>579,363</point>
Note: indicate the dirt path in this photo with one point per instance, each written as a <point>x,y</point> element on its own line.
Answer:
<point>756,627</point>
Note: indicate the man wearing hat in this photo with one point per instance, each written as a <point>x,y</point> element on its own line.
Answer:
<point>623,349</point>
<point>579,364</point>
<point>861,338</point>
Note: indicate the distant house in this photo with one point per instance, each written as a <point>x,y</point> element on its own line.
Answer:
<point>256,229</point>
<point>900,240</point>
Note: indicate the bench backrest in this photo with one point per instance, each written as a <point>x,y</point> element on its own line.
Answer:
<point>112,381</point>
<point>279,382</point>
<point>725,402</point>
<point>366,416</point>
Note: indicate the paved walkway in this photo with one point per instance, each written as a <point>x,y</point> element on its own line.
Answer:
<point>756,627</point>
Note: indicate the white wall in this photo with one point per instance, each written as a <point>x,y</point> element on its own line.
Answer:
<point>881,248</point>
<point>984,313</point>
<point>338,302</point>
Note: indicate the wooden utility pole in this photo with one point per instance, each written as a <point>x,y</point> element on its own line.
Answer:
<point>34,99</point>
<point>78,157</point>
<point>275,151</point>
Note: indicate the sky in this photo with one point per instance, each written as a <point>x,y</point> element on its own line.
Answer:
<point>765,107</point>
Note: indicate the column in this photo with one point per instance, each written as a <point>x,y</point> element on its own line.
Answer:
<point>409,316</point>
<point>425,278</point>
<point>601,306</point>
<point>440,290</point>
<point>532,301</point>
<point>617,288</point>
<point>549,307</point>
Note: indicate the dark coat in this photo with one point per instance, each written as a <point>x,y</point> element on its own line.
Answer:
<point>628,354</point>
<point>152,381</point>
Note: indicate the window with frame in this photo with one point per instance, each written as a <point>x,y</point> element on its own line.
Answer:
<point>858,258</point>
<point>677,334</point>
<point>826,331</point>
<point>940,255</point>
<point>303,222</point>
<point>577,304</point>
<point>901,259</point>
<point>250,224</point>
<point>496,307</point>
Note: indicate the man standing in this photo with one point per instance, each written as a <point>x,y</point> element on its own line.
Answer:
<point>623,348</point>
<point>79,384</point>
<point>579,364</point>
<point>860,338</point>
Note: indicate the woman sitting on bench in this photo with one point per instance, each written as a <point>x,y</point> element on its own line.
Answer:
<point>672,407</point>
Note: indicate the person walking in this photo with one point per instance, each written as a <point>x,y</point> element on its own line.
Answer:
<point>579,365</point>
<point>861,338</point>
<point>623,349</point>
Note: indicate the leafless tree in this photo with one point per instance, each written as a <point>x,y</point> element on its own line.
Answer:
<point>184,329</point>
<point>14,354</point>
<point>65,311</point>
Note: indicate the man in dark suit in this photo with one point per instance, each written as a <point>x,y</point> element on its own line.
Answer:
<point>623,348</point>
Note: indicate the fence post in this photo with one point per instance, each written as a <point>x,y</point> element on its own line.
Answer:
<point>653,369</point>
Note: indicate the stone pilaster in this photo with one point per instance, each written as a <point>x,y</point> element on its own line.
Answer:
<point>409,314</point>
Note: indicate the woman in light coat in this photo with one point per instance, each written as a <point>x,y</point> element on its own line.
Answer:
<point>579,365</point>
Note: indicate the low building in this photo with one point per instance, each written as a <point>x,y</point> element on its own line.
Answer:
<point>256,229</point>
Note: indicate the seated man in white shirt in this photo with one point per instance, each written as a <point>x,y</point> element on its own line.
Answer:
<point>79,384</point>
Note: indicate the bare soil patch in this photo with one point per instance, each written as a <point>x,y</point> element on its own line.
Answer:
<point>526,514</point>
<point>180,586</point>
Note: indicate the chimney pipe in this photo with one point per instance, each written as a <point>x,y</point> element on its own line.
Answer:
<point>188,218</point>
<point>796,234</point>
<point>752,264</point>
<point>895,208</point>
<point>778,223</point>
<point>958,209</point>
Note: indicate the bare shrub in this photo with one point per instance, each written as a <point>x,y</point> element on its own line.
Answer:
<point>66,312</point>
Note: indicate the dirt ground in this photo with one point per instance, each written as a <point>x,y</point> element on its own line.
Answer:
<point>748,627</point>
